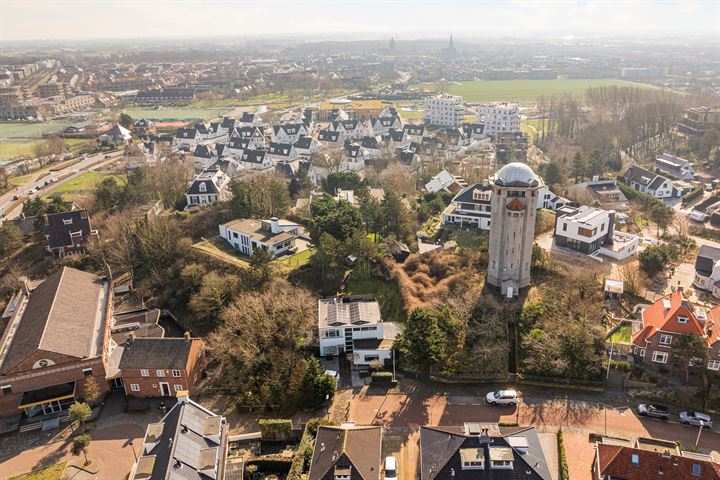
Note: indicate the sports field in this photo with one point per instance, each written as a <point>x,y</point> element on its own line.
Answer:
<point>17,138</point>
<point>523,90</point>
<point>167,114</point>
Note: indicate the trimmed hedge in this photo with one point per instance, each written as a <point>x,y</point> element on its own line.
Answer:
<point>381,377</point>
<point>275,428</point>
<point>562,457</point>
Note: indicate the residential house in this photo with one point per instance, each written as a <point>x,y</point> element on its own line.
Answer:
<point>204,156</point>
<point>383,125</point>
<point>453,139</point>
<point>347,452</point>
<point>305,147</point>
<point>255,159</point>
<point>57,336</point>
<point>329,139</point>
<point>481,451</point>
<point>511,147</point>
<point>353,158</point>
<point>210,186</point>
<point>203,132</point>
<point>470,208</point>
<point>161,367</point>
<point>288,132</point>
<point>186,138</point>
<point>549,201</point>
<point>675,167</point>
<point>651,183</point>
<point>227,125</point>
<point>446,182</point>
<point>707,270</point>
<point>698,120</point>
<point>604,192</point>
<point>583,228</point>
<point>235,146</point>
<point>395,139</point>
<point>68,233</point>
<point>614,461</point>
<point>144,127</point>
<point>248,119</point>
<point>117,135</point>
<point>473,131</point>
<point>407,156</point>
<point>372,148</point>
<point>254,135</point>
<point>282,153</point>
<point>274,235</point>
<point>669,318</point>
<point>354,325</point>
<point>413,132</point>
<point>190,442</point>
<point>350,129</point>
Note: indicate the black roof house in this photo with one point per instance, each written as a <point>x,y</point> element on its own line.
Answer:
<point>67,229</point>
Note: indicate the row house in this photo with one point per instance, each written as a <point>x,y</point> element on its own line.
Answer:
<point>254,135</point>
<point>255,159</point>
<point>353,158</point>
<point>354,325</point>
<point>204,156</point>
<point>347,452</point>
<point>282,153</point>
<point>249,119</point>
<point>329,139</point>
<point>413,132</point>
<point>372,147</point>
<point>235,146</point>
<point>382,125</point>
<point>350,129</point>
<point>668,319</point>
<point>210,186</point>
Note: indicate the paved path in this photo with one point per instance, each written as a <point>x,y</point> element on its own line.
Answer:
<point>110,447</point>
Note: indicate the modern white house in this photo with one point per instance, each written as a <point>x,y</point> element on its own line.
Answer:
<point>651,183</point>
<point>247,235</point>
<point>584,228</point>
<point>499,117</point>
<point>354,325</point>
<point>707,270</point>
<point>210,186</point>
<point>675,166</point>
<point>444,110</point>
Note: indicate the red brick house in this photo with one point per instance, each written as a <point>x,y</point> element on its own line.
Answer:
<point>616,462</point>
<point>68,233</point>
<point>161,367</point>
<point>56,336</point>
<point>668,319</point>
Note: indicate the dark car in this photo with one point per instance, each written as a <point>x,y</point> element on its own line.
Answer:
<point>655,411</point>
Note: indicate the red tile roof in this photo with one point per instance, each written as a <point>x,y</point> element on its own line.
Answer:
<point>616,461</point>
<point>712,325</point>
<point>657,317</point>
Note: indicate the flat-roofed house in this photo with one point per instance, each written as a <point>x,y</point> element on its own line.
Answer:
<point>57,336</point>
<point>247,235</point>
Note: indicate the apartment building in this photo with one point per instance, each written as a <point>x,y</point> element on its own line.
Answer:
<point>499,117</point>
<point>444,110</point>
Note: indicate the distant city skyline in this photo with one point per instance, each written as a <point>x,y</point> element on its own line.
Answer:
<point>404,19</point>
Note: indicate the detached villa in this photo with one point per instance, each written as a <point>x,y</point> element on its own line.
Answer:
<point>274,235</point>
<point>354,325</point>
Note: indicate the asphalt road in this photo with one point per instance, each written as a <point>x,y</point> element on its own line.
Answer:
<point>38,179</point>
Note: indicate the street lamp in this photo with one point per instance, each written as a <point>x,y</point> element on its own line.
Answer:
<point>697,440</point>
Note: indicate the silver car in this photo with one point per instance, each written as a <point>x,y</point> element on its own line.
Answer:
<point>696,419</point>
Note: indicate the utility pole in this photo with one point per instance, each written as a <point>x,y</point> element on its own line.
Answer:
<point>697,440</point>
<point>393,362</point>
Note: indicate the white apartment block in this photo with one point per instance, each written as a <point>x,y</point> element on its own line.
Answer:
<point>499,117</point>
<point>444,110</point>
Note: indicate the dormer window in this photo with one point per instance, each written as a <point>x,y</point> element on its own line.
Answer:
<point>67,221</point>
<point>682,319</point>
<point>472,458</point>
<point>202,187</point>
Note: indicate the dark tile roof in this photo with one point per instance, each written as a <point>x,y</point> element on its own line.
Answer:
<point>227,122</point>
<point>157,353</point>
<point>466,194</point>
<point>238,143</point>
<point>203,151</point>
<point>247,117</point>
<point>643,177</point>
<point>338,447</point>
<point>201,128</point>
<point>210,186</point>
<point>396,135</point>
<point>57,228</point>
<point>64,314</point>
<point>186,133</point>
<point>706,259</point>
<point>253,156</point>
<point>370,142</point>
<point>414,129</point>
<point>283,149</point>
<point>328,136</point>
<point>440,455</point>
<point>352,150</point>
<point>304,142</point>
<point>473,128</point>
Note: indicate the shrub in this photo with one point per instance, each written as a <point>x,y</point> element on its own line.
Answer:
<point>562,457</point>
<point>275,428</point>
<point>301,461</point>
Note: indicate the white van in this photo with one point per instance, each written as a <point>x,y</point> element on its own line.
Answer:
<point>390,468</point>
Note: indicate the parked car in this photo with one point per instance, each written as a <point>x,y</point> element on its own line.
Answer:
<point>694,418</point>
<point>655,411</point>
<point>502,397</point>
<point>390,468</point>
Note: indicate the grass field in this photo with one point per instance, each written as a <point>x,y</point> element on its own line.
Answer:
<point>297,260</point>
<point>83,184</point>
<point>17,138</point>
<point>53,472</point>
<point>167,114</point>
<point>524,90</point>
<point>22,180</point>
<point>386,293</point>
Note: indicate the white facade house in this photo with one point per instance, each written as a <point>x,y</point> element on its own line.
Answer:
<point>354,325</point>
<point>203,156</point>
<point>444,110</point>
<point>255,159</point>
<point>675,166</point>
<point>353,158</point>
<point>651,183</point>
<point>707,270</point>
<point>254,135</point>
<point>211,186</point>
<point>288,132</point>
<point>274,235</point>
<point>186,138</point>
<point>350,129</point>
<point>499,117</point>
<point>282,153</point>
<point>305,147</point>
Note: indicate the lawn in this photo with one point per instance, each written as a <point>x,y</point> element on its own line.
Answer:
<point>218,249</point>
<point>297,260</point>
<point>83,184</point>
<point>168,114</point>
<point>53,472</point>
<point>386,292</point>
<point>15,148</point>
<point>621,334</point>
<point>524,90</point>
<point>22,180</point>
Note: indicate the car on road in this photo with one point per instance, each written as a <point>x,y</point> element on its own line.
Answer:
<point>695,419</point>
<point>17,196</point>
<point>107,155</point>
<point>653,410</point>
<point>391,468</point>
<point>502,397</point>
<point>31,191</point>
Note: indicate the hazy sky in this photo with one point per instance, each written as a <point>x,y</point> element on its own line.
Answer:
<point>83,19</point>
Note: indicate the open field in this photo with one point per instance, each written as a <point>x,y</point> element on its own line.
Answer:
<point>17,138</point>
<point>165,114</point>
<point>85,183</point>
<point>524,90</point>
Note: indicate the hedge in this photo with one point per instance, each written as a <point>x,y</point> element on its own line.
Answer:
<point>381,377</point>
<point>562,457</point>
<point>301,462</point>
<point>275,428</point>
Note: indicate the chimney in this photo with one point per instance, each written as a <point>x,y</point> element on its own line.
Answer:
<point>188,337</point>
<point>274,225</point>
<point>24,286</point>
<point>45,219</point>
<point>182,396</point>
<point>130,339</point>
